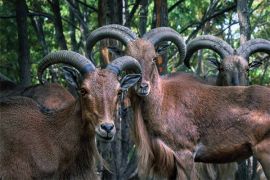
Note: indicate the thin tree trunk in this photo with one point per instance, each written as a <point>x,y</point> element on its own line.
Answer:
<point>110,12</point>
<point>37,23</point>
<point>24,54</point>
<point>74,45</point>
<point>103,20</point>
<point>143,17</point>
<point>60,38</point>
<point>244,23</point>
<point>244,167</point>
<point>76,12</point>
<point>160,18</point>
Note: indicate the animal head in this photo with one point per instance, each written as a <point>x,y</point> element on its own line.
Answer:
<point>143,49</point>
<point>234,65</point>
<point>233,70</point>
<point>99,88</point>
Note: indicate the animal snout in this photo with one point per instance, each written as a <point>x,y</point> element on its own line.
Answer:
<point>143,89</point>
<point>143,85</point>
<point>108,127</point>
<point>235,81</point>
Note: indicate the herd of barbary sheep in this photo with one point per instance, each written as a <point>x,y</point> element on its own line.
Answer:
<point>182,124</point>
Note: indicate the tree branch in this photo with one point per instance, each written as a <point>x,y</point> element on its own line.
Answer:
<point>208,18</point>
<point>175,5</point>
<point>132,12</point>
<point>88,6</point>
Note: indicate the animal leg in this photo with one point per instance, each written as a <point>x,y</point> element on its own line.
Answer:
<point>262,153</point>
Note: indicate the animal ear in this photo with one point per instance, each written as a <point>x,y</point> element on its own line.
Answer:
<point>72,76</point>
<point>214,61</point>
<point>129,81</point>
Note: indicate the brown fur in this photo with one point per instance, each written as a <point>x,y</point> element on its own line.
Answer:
<point>50,96</point>
<point>194,119</point>
<point>59,143</point>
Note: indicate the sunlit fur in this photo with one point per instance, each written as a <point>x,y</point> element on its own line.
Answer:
<point>190,121</point>
<point>39,141</point>
<point>99,103</point>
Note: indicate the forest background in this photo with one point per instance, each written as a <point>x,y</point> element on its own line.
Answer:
<point>31,29</point>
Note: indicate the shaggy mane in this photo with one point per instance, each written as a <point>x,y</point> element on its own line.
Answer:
<point>155,158</point>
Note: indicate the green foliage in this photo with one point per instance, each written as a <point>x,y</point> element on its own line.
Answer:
<point>185,18</point>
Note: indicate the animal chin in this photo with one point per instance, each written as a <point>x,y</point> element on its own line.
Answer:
<point>143,92</point>
<point>105,138</point>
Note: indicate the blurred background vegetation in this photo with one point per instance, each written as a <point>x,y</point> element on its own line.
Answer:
<point>50,25</point>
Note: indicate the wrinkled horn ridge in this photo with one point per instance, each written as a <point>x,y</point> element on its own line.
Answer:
<point>124,63</point>
<point>253,46</point>
<point>160,34</point>
<point>118,32</point>
<point>124,29</point>
<point>81,63</point>
<point>208,42</point>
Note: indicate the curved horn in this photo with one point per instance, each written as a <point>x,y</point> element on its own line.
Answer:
<point>253,46</point>
<point>81,63</point>
<point>124,63</point>
<point>115,31</point>
<point>160,34</point>
<point>208,42</point>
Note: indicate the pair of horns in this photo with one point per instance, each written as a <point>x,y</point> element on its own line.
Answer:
<point>125,35</point>
<point>223,49</point>
<point>84,65</point>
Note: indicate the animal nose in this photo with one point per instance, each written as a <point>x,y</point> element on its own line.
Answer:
<point>108,127</point>
<point>235,81</point>
<point>143,85</point>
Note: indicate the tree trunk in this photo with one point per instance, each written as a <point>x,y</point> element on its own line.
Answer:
<point>74,45</point>
<point>244,167</point>
<point>244,23</point>
<point>111,12</point>
<point>76,12</point>
<point>160,18</point>
<point>24,54</point>
<point>60,38</point>
<point>143,17</point>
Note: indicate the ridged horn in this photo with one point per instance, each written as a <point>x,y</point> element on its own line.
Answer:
<point>157,35</point>
<point>124,63</point>
<point>253,46</point>
<point>81,63</point>
<point>221,47</point>
<point>115,31</point>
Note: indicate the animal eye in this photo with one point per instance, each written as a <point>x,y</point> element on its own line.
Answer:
<point>83,91</point>
<point>154,60</point>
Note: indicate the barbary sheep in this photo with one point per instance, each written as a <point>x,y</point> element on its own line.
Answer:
<point>178,120</point>
<point>126,36</point>
<point>60,144</point>
<point>234,66</point>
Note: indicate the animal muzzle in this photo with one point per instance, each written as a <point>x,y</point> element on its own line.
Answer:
<point>143,89</point>
<point>105,131</point>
